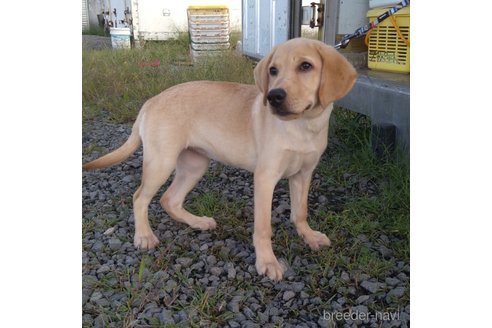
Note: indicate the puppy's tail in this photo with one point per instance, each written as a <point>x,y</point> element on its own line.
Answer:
<point>118,155</point>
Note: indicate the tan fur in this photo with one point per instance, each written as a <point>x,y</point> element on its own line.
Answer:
<point>186,125</point>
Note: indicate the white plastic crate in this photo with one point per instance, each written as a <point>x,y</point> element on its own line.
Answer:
<point>210,46</point>
<point>210,37</point>
<point>209,30</point>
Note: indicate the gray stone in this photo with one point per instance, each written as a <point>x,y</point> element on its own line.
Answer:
<point>114,244</point>
<point>263,316</point>
<point>166,317</point>
<point>89,281</point>
<point>160,276</point>
<point>98,246</point>
<point>362,299</point>
<point>101,321</point>
<point>282,207</point>
<point>240,317</point>
<point>362,312</point>
<point>233,324</point>
<point>96,296</point>
<point>170,285</point>
<point>297,286</point>
<point>371,287</point>
<point>249,313</point>
<point>402,276</point>
<point>87,320</point>
<point>211,260</point>
<point>288,295</point>
<point>385,251</point>
<point>184,261</point>
<point>345,276</point>
<point>231,272</point>
<point>404,316</point>
<point>392,281</point>
<point>249,324</point>
<point>395,293</point>
<point>224,252</point>
<point>167,235</point>
<point>273,311</point>
<point>233,305</point>
<point>93,195</point>
<point>216,271</point>
<point>254,306</point>
<point>102,302</point>
<point>180,316</point>
<point>323,323</point>
<point>104,268</point>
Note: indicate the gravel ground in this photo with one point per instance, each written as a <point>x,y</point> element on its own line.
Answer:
<point>208,279</point>
<point>95,42</point>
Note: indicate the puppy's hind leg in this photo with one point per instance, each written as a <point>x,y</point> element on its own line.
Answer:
<point>190,168</point>
<point>156,170</point>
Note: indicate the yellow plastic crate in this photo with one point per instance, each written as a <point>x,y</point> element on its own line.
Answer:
<point>389,42</point>
<point>207,11</point>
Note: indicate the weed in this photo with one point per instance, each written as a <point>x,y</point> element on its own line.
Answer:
<point>119,82</point>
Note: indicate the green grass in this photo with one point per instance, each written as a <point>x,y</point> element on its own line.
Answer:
<point>119,82</point>
<point>387,211</point>
<point>94,30</point>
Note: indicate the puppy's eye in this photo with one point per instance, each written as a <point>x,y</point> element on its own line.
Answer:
<point>273,71</point>
<point>305,66</point>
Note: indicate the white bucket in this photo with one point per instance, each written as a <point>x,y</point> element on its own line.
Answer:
<point>120,37</point>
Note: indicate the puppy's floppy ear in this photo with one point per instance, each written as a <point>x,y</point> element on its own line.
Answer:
<point>262,75</point>
<point>337,75</point>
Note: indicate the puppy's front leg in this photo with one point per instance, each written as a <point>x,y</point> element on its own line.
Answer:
<point>299,189</point>
<point>266,262</point>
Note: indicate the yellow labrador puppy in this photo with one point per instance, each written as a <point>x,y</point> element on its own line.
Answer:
<point>276,129</point>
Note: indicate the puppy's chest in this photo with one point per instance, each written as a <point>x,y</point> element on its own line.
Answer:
<point>295,162</point>
<point>301,156</point>
<point>294,146</point>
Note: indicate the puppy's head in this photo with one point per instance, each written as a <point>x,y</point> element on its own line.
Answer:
<point>303,76</point>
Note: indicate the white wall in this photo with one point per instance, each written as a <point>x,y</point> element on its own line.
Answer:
<point>150,13</point>
<point>160,20</point>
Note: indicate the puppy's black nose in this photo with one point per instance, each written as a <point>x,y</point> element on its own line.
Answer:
<point>276,97</point>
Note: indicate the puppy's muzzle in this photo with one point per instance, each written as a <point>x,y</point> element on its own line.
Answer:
<point>276,97</point>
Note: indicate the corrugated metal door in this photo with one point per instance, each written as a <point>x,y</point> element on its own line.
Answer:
<point>85,16</point>
<point>265,24</point>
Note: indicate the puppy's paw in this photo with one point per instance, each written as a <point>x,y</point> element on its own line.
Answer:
<point>316,239</point>
<point>145,241</point>
<point>204,223</point>
<point>270,267</point>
